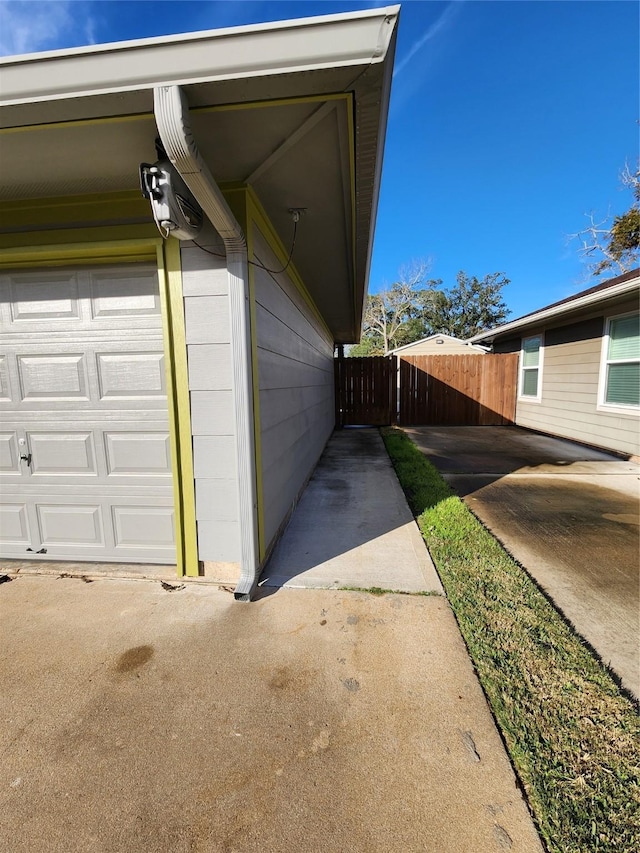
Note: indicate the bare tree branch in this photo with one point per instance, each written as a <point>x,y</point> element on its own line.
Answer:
<point>388,311</point>
<point>612,244</point>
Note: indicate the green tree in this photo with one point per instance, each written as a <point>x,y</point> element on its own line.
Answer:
<point>367,346</point>
<point>613,245</point>
<point>472,306</point>
<point>415,307</point>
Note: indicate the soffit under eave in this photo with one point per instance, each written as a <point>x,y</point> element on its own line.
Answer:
<point>364,150</point>
<point>85,158</point>
<point>222,94</point>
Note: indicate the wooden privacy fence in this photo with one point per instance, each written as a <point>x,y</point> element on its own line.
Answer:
<point>366,390</point>
<point>460,390</point>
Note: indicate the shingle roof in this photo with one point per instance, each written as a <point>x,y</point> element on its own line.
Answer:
<point>619,284</point>
<point>604,285</point>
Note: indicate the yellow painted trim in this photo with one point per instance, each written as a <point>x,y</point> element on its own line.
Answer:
<point>170,273</point>
<point>247,105</point>
<point>352,177</point>
<point>127,205</point>
<point>257,424</point>
<point>276,102</point>
<point>104,235</point>
<point>100,252</point>
<point>258,215</point>
<point>78,122</point>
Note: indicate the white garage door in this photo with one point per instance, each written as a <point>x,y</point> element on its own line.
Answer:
<point>85,463</point>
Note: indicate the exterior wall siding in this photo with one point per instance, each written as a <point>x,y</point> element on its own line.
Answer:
<point>207,327</point>
<point>296,390</point>
<point>570,386</point>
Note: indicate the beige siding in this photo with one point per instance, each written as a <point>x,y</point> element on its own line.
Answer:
<point>207,325</point>
<point>569,400</point>
<point>295,380</point>
<point>447,347</point>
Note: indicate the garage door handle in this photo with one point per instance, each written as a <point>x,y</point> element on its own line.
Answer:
<point>26,458</point>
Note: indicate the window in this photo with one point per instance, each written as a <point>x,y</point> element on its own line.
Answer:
<point>620,381</point>
<point>530,367</point>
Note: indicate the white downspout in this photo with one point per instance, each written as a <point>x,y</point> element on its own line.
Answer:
<point>172,118</point>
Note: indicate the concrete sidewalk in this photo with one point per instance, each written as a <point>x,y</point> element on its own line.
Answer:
<point>138,719</point>
<point>353,527</point>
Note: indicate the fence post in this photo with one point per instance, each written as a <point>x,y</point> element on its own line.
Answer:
<point>337,385</point>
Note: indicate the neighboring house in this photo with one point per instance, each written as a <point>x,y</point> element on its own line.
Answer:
<point>438,345</point>
<point>165,402</point>
<point>579,371</point>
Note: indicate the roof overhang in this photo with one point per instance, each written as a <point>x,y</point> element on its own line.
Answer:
<point>567,311</point>
<point>295,109</point>
<point>441,335</point>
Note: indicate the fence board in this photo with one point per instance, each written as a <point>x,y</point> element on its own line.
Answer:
<point>456,390</point>
<point>366,390</point>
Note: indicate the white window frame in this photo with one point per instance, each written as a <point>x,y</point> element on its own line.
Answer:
<point>529,398</point>
<point>603,406</point>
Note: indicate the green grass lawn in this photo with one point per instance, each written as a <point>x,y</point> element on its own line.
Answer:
<point>573,736</point>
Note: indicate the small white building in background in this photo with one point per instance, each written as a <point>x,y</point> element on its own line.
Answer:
<point>440,344</point>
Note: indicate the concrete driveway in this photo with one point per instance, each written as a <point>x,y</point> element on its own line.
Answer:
<point>568,513</point>
<point>140,719</point>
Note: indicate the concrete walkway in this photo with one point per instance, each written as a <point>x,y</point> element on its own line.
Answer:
<point>138,719</point>
<point>569,513</point>
<point>353,527</point>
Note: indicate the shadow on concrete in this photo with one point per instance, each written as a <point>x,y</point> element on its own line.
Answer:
<point>352,526</point>
<point>490,452</point>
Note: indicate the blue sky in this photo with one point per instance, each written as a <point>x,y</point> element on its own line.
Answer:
<point>509,122</point>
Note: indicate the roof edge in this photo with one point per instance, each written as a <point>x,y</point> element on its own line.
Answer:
<point>276,47</point>
<point>630,283</point>
<point>466,341</point>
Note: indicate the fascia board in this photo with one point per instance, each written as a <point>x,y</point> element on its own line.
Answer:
<point>362,283</point>
<point>432,338</point>
<point>282,47</point>
<point>592,299</point>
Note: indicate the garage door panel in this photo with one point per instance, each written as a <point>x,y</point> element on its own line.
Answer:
<point>5,387</point>
<point>65,454</point>
<point>83,354</point>
<point>138,453</point>
<point>70,525</point>
<point>14,525</point>
<point>130,375</point>
<point>124,295</point>
<point>144,527</point>
<point>9,455</point>
<point>44,296</point>
<point>53,377</point>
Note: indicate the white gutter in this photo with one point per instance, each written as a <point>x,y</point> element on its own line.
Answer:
<point>172,118</point>
<point>281,47</point>
<point>586,301</point>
